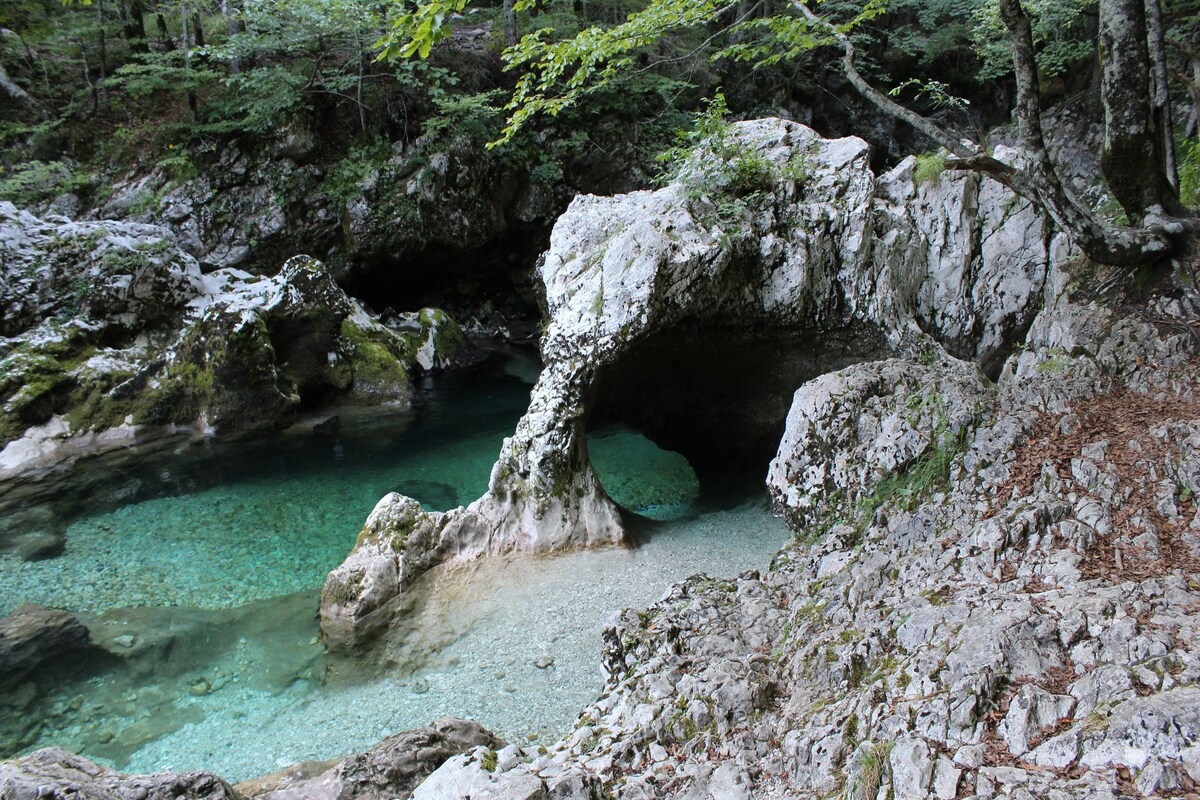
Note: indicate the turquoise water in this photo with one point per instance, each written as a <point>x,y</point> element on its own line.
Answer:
<point>655,483</point>
<point>283,512</point>
<point>203,602</point>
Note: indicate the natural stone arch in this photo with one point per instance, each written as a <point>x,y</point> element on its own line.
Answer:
<point>821,245</point>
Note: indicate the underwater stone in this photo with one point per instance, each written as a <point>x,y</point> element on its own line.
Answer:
<point>33,635</point>
<point>393,768</point>
<point>39,545</point>
<point>440,496</point>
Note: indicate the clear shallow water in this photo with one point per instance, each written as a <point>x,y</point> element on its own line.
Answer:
<point>224,670</point>
<point>282,512</point>
<point>655,483</point>
<point>471,648</point>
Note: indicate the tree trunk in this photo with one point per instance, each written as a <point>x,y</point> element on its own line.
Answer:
<point>103,55</point>
<point>197,30</point>
<point>160,21</point>
<point>14,91</point>
<point>1038,182</point>
<point>741,12</point>
<point>87,76</point>
<point>1193,86</point>
<point>1102,242</point>
<point>1156,44</point>
<point>1132,158</point>
<point>193,105</point>
<point>135,26</point>
<point>358,94</point>
<point>235,25</point>
<point>510,24</point>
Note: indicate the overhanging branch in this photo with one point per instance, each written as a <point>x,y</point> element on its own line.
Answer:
<point>889,106</point>
<point>1037,181</point>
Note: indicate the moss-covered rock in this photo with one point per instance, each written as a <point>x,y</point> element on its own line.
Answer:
<point>222,372</point>
<point>109,323</point>
<point>60,371</point>
<point>378,363</point>
<point>444,342</point>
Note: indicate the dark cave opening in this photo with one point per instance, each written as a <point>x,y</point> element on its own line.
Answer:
<point>720,396</point>
<point>492,283</point>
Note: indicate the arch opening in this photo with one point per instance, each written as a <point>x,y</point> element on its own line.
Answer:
<point>715,397</point>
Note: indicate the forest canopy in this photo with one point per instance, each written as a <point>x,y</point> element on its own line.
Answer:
<point>171,80</point>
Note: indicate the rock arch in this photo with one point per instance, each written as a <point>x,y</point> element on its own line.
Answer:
<point>811,241</point>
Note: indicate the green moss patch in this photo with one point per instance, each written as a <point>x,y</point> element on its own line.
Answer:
<point>36,379</point>
<point>378,363</point>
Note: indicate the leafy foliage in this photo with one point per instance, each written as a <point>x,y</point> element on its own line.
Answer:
<point>718,171</point>
<point>558,73</point>
<point>416,32</point>
<point>1189,174</point>
<point>37,181</point>
<point>1062,33</point>
<point>344,179</point>
<point>476,116</point>
<point>786,37</point>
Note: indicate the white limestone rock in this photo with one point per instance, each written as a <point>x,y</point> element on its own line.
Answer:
<point>1030,712</point>
<point>911,768</point>
<point>848,430</point>
<point>111,324</point>
<point>947,625</point>
<point>974,255</point>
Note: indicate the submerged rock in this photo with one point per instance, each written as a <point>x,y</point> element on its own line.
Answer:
<point>53,772</point>
<point>33,635</point>
<point>393,768</point>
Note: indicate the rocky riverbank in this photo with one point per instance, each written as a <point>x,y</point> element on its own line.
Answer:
<point>995,587</point>
<point>112,333</point>
<point>777,231</point>
<point>993,592</point>
<point>1012,613</point>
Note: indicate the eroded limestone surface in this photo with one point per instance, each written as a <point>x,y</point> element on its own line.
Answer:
<point>994,588</point>
<point>1024,625</point>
